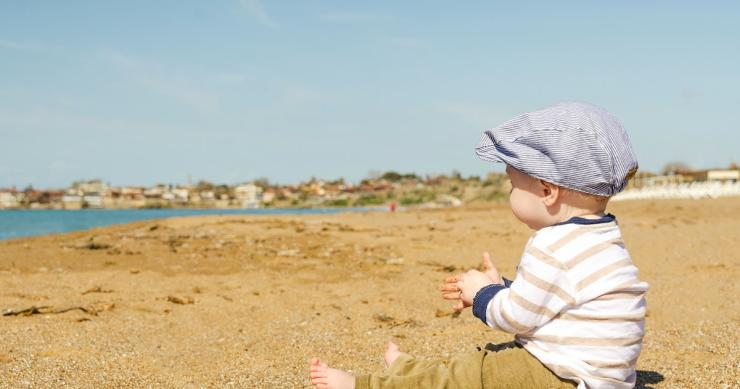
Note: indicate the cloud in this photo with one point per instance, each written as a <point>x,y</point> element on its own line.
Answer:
<point>473,114</point>
<point>690,94</point>
<point>66,123</point>
<point>257,11</point>
<point>156,78</point>
<point>34,47</point>
<point>411,43</point>
<point>231,78</point>
<point>352,16</point>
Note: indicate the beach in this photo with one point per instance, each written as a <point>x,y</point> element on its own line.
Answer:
<point>245,301</point>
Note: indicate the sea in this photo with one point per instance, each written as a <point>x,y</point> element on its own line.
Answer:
<point>20,223</point>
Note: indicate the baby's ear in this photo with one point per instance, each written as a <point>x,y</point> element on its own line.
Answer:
<point>550,192</point>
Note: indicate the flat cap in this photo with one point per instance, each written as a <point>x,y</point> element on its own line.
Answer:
<point>571,144</point>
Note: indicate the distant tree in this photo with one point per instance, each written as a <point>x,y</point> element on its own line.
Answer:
<point>262,182</point>
<point>675,168</point>
<point>410,176</point>
<point>338,181</point>
<point>28,196</point>
<point>203,186</point>
<point>391,176</point>
<point>44,197</point>
<point>220,190</point>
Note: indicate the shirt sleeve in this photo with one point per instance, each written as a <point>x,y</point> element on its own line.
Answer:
<point>539,292</point>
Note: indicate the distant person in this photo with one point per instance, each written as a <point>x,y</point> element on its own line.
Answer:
<point>392,207</point>
<point>576,305</point>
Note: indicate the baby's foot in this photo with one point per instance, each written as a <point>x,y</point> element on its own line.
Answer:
<point>324,377</point>
<point>391,353</point>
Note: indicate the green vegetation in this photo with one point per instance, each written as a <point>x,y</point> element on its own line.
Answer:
<point>369,199</point>
<point>418,196</point>
<point>395,177</point>
<point>337,203</point>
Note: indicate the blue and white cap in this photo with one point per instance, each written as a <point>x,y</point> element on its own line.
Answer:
<point>575,145</point>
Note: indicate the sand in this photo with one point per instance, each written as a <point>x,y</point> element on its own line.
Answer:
<point>244,301</point>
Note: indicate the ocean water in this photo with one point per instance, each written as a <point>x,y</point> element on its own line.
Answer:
<point>19,223</point>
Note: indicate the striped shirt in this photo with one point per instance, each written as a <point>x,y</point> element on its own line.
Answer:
<point>576,303</point>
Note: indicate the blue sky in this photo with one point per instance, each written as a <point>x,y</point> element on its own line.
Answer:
<point>139,92</point>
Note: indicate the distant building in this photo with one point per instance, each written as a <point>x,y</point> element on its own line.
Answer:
<point>8,199</point>
<point>248,195</point>
<point>92,186</point>
<point>157,191</point>
<point>182,195</point>
<point>207,195</point>
<point>132,193</point>
<point>268,197</point>
<point>723,175</point>
<point>92,200</point>
<point>71,199</point>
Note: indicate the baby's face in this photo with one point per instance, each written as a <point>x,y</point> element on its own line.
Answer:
<point>526,199</point>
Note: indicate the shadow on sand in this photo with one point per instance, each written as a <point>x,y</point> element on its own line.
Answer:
<point>647,377</point>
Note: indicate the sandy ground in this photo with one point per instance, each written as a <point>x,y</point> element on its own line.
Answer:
<point>241,301</point>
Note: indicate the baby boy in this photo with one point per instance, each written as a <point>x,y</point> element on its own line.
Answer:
<point>576,305</point>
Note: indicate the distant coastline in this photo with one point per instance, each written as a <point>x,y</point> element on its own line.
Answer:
<point>20,223</point>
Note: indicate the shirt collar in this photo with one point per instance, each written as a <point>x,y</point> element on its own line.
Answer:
<point>608,218</point>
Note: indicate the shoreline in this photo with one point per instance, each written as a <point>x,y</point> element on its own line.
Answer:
<point>61,221</point>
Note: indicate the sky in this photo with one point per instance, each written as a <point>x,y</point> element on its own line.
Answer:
<point>140,92</point>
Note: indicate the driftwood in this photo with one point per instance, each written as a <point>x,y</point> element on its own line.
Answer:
<point>180,300</point>
<point>44,310</point>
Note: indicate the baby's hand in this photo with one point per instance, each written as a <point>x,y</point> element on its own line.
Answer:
<point>470,283</point>
<point>452,291</point>
<point>490,270</point>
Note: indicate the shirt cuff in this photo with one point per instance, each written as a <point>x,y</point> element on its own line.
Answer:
<point>482,298</point>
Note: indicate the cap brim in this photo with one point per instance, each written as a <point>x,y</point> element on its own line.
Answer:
<point>487,149</point>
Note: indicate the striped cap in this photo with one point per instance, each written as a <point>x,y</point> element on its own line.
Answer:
<point>574,145</point>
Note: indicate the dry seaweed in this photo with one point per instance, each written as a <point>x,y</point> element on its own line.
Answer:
<point>47,309</point>
<point>180,300</point>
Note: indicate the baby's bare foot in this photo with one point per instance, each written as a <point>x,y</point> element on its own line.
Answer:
<point>391,353</point>
<point>324,377</point>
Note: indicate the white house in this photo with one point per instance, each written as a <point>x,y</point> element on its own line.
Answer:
<point>71,199</point>
<point>723,175</point>
<point>249,195</point>
<point>93,200</point>
<point>8,200</point>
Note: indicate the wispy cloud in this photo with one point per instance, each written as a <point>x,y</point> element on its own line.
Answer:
<point>27,121</point>
<point>231,78</point>
<point>157,78</point>
<point>35,47</point>
<point>690,94</point>
<point>473,114</point>
<point>411,43</point>
<point>258,12</point>
<point>352,16</point>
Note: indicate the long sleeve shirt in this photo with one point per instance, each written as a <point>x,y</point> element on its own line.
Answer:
<point>576,303</point>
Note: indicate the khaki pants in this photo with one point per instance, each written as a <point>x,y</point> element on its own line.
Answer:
<point>497,366</point>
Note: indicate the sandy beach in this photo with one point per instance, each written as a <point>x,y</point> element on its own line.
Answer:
<point>244,301</point>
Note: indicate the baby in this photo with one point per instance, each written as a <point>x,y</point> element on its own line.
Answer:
<point>576,305</point>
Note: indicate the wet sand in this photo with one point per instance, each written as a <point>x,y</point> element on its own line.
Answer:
<point>244,301</point>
